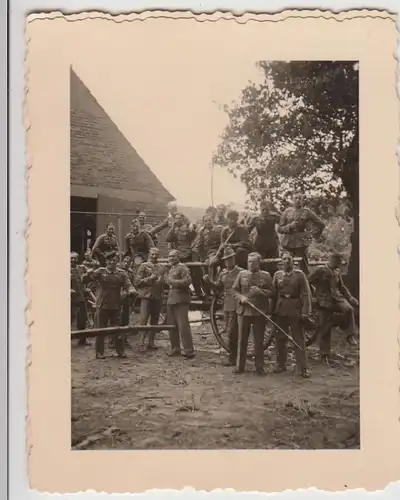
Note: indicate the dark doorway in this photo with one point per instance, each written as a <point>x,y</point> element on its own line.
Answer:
<point>82,223</point>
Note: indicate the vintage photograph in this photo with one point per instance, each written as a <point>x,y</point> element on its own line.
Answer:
<point>214,277</point>
<point>220,190</point>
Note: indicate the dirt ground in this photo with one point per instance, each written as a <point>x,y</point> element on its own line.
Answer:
<point>150,401</point>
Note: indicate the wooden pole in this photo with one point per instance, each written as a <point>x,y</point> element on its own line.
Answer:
<point>115,330</point>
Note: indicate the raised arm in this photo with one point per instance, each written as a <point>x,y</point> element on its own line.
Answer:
<point>96,249</point>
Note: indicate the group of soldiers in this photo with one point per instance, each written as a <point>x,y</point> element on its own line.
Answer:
<point>254,290</point>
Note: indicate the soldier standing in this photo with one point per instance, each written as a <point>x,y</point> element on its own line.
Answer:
<point>224,283</point>
<point>138,242</point>
<point>237,237</point>
<point>207,243</point>
<point>113,287</point>
<point>266,242</point>
<point>291,306</point>
<point>150,283</point>
<point>220,217</point>
<point>294,225</point>
<point>179,280</point>
<point>332,298</point>
<point>78,302</point>
<point>181,237</point>
<point>105,243</point>
<point>126,265</point>
<point>252,286</point>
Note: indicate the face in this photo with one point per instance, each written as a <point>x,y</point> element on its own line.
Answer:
<point>208,223</point>
<point>221,209</point>
<point>264,210</point>
<point>230,263</point>
<point>110,230</point>
<point>253,263</point>
<point>126,263</point>
<point>111,263</point>
<point>298,200</point>
<point>287,262</point>
<point>142,218</point>
<point>153,255</point>
<point>232,221</point>
<point>178,220</point>
<point>74,260</point>
<point>334,261</point>
<point>173,258</point>
<point>135,227</point>
<point>172,208</point>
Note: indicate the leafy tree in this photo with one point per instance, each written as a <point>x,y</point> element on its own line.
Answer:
<point>297,129</point>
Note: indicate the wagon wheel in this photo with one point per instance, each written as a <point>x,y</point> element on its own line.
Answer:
<point>311,333</point>
<point>219,328</point>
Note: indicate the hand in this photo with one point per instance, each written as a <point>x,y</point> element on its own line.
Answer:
<point>354,302</point>
<point>213,261</point>
<point>255,290</point>
<point>206,278</point>
<point>243,299</point>
<point>153,277</point>
<point>123,295</point>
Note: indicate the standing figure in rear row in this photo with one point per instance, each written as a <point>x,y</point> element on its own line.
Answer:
<point>105,243</point>
<point>297,234</point>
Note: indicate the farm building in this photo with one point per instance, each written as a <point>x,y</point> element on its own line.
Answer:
<point>108,177</point>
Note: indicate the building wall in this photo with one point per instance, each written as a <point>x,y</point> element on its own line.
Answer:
<point>104,165</point>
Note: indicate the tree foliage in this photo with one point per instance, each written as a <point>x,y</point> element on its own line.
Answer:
<point>294,130</point>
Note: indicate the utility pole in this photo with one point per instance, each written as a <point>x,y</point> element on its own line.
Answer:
<point>212,183</point>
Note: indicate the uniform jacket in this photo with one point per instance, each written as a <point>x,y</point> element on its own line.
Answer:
<point>78,295</point>
<point>179,280</point>
<point>292,295</point>
<point>225,281</point>
<point>329,286</point>
<point>150,289</point>
<point>207,242</point>
<point>294,225</point>
<point>244,281</point>
<point>266,240</point>
<point>239,238</point>
<point>110,285</point>
<point>181,239</point>
<point>104,244</point>
<point>138,244</point>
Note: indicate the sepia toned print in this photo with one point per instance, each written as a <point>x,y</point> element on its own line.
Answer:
<point>216,227</point>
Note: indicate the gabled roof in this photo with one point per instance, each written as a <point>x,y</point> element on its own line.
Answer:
<point>101,156</point>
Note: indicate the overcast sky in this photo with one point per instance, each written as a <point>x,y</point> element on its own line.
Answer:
<point>162,95</point>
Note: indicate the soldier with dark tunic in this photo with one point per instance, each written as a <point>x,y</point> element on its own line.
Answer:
<point>105,243</point>
<point>113,287</point>
<point>332,298</point>
<point>266,242</point>
<point>142,217</point>
<point>150,284</point>
<point>295,227</point>
<point>138,242</point>
<point>237,237</point>
<point>224,283</point>
<point>291,305</point>
<point>207,243</point>
<point>78,300</point>
<point>252,286</point>
<point>179,279</point>
<point>181,237</point>
<point>89,262</point>
<point>127,302</point>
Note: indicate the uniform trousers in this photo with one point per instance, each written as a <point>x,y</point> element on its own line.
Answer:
<point>178,315</point>
<point>149,309</point>
<point>245,323</point>
<point>79,316</point>
<point>106,318</point>
<point>293,326</point>
<point>326,321</point>
<point>231,321</point>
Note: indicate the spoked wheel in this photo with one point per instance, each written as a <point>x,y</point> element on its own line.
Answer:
<point>219,326</point>
<point>310,332</point>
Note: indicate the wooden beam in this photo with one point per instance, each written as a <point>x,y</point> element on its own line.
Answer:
<point>115,330</point>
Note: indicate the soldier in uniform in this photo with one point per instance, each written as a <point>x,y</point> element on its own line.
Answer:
<point>207,243</point>
<point>332,298</point>
<point>113,287</point>
<point>105,243</point>
<point>294,225</point>
<point>126,308</point>
<point>252,286</point>
<point>220,217</point>
<point>147,227</point>
<point>78,302</point>
<point>150,283</point>
<point>237,237</point>
<point>138,242</point>
<point>224,283</point>
<point>291,306</point>
<point>89,262</point>
<point>181,237</point>
<point>266,242</point>
<point>179,280</point>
